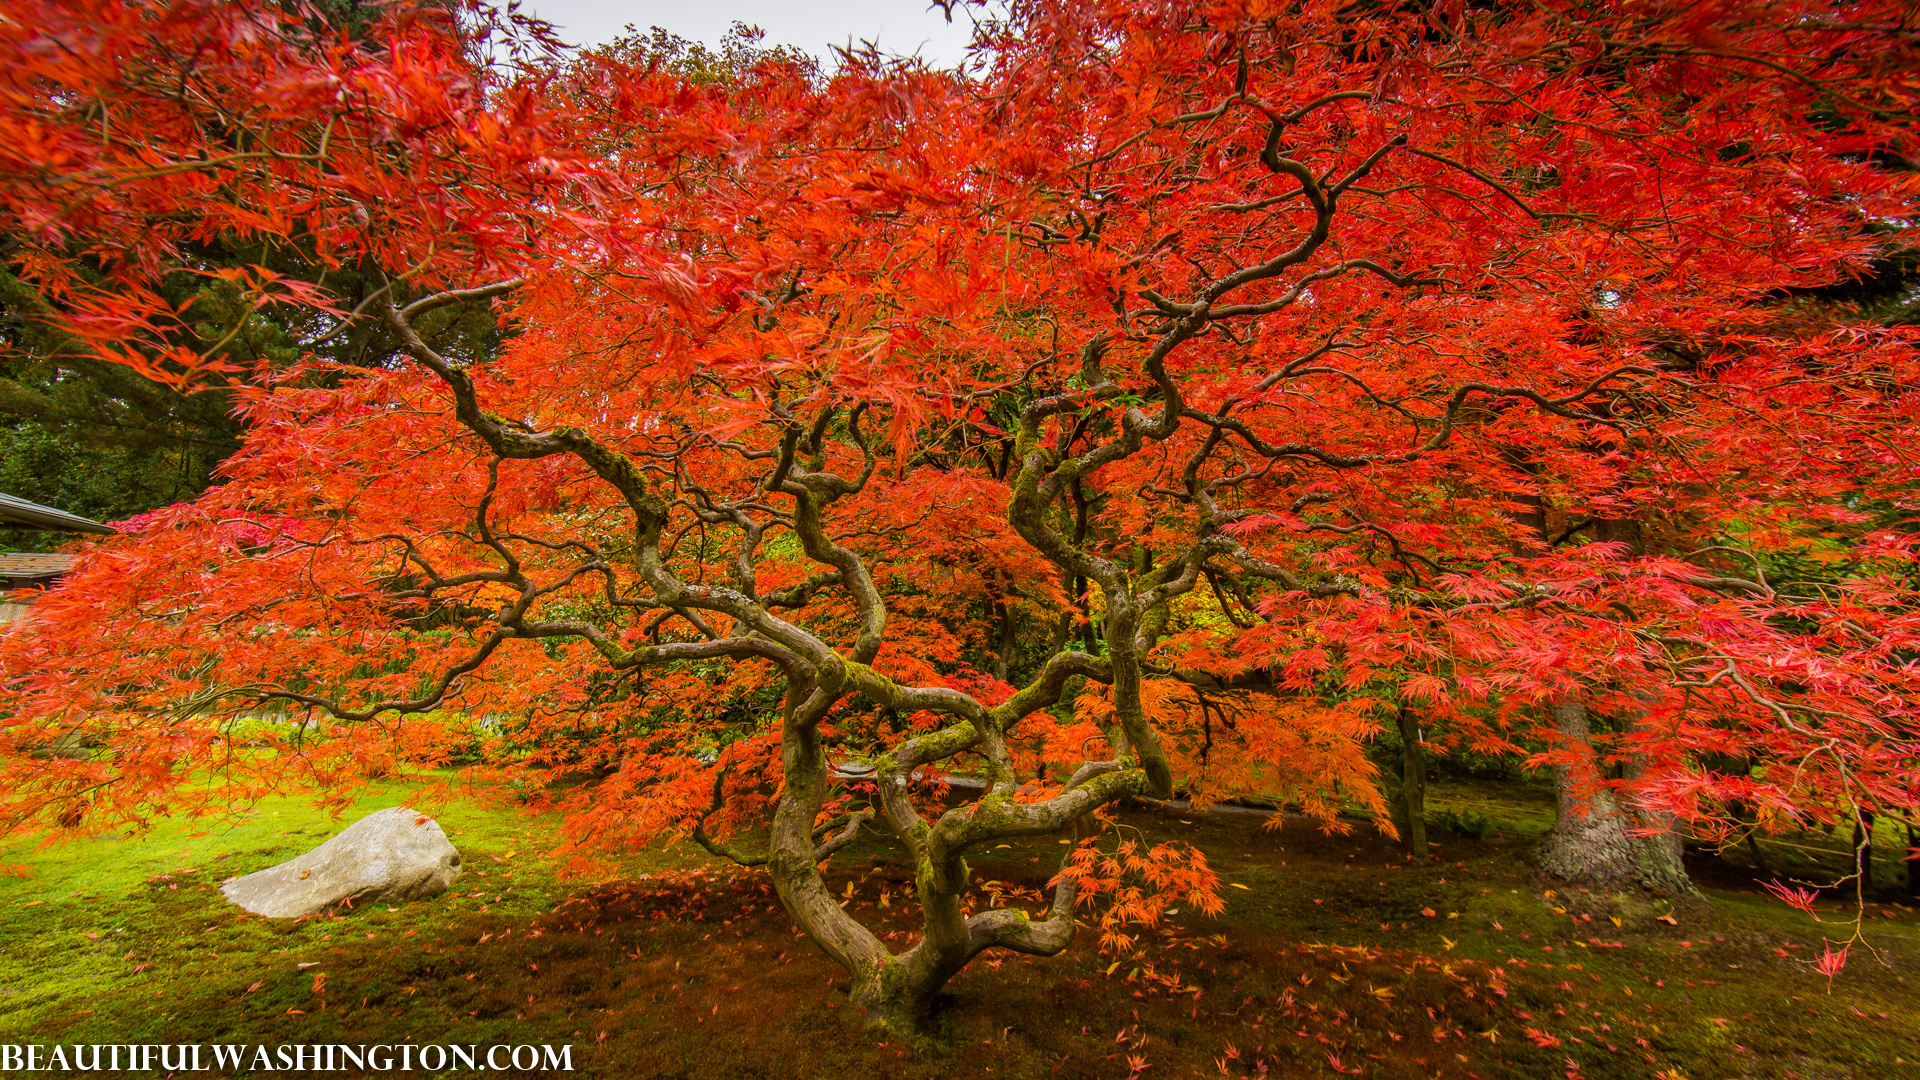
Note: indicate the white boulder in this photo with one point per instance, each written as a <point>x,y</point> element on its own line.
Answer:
<point>389,856</point>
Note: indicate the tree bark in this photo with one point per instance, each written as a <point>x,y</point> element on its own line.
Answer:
<point>1413,783</point>
<point>1662,868</point>
<point>1593,840</point>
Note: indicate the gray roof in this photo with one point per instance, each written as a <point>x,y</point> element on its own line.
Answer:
<point>32,567</point>
<point>21,514</point>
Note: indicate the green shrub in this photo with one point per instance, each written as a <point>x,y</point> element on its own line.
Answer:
<point>1462,824</point>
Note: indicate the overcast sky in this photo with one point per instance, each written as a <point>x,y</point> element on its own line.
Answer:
<point>899,26</point>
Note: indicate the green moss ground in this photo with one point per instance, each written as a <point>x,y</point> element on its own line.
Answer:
<point>1325,964</point>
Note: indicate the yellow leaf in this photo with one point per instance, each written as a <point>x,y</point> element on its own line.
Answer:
<point>1237,885</point>
<point>1450,942</point>
<point>1615,918</point>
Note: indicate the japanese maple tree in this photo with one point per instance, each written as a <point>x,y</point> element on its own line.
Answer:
<point>1161,403</point>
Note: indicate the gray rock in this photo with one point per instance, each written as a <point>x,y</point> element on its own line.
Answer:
<point>389,856</point>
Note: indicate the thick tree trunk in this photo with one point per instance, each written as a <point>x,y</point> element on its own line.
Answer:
<point>1592,841</point>
<point>890,1001</point>
<point>1662,868</point>
<point>791,859</point>
<point>1413,784</point>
